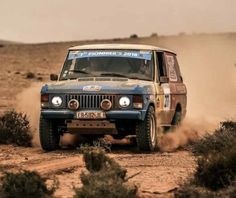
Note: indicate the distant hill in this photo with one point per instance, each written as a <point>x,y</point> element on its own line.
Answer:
<point>6,42</point>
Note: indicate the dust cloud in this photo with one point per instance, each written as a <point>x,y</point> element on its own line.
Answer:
<point>28,102</point>
<point>188,132</point>
<point>208,67</point>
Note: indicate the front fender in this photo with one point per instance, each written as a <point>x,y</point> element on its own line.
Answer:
<point>148,100</point>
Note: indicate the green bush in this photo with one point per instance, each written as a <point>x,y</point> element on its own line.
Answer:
<point>106,178</point>
<point>223,138</point>
<point>24,184</point>
<point>15,129</point>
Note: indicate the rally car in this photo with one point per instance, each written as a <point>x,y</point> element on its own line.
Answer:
<point>115,89</point>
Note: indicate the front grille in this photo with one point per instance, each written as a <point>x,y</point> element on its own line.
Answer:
<point>91,101</point>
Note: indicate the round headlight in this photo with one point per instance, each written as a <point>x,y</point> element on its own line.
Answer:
<point>124,101</point>
<point>106,104</point>
<point>56,101</point>
<point>73,104</point>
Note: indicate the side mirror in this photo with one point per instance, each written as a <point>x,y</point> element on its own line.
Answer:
<point>53,77</point>
<point>164,79</point>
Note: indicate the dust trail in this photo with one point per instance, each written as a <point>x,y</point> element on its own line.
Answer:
<point>188,132</point>
<point>28,102</point>
<point>207,65</point>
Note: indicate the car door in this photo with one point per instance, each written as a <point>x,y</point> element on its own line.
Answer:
<point>176,89</point>
<point>163,96</point>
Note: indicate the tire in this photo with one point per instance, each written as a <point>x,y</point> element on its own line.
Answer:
<point>177,119</point>
<point>146,134</point>
<point>49,136</point>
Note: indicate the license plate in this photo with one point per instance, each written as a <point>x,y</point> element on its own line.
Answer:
<point>90,115</point>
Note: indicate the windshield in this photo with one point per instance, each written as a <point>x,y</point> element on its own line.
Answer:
<point>113,63</point>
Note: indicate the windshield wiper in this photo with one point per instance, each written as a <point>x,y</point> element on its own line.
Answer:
<point>136,78</point>
<point>113,74</point>
<point>79,71</point>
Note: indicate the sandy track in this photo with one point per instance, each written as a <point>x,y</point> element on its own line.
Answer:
<point>159,173</point>
<point>56,165</point>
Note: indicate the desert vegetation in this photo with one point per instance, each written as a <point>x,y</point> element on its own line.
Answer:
<point>105,177</point>
<point>30,75</point>
<point>25,184</point>
<point>215,174</point>
<point>221,139</point>
<point>15,129</point>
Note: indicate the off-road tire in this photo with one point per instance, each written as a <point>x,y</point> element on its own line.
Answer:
<point>146,138</point>
<point>177,119</point>
<point>49,136</point>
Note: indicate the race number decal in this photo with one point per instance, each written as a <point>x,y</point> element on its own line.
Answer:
<point>171,68</point>
<point>167,98</point>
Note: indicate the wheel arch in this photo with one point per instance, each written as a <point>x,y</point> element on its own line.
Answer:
<point>178,108</point>
<point>178,112</point>
<point>150,103</point>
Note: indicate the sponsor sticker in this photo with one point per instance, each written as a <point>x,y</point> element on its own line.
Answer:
<point>146,55</point>
<point>171,68</point>
<point>92,88</point>
<point>167,97</point>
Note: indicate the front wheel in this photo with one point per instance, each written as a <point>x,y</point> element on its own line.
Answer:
<point>49,136</point>
<point>146,133</point>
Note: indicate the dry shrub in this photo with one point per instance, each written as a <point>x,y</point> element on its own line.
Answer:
<point>30,75</point>
<point>190,191</point>
<point>40,78</point>
<point>154,35</point>
<point>217,170</point>
<point>25,184</point>
<point>106,178</point>
<point>15,129</point>
<point>133,36</point>
<point>230,192</point>
<point>222,139</point>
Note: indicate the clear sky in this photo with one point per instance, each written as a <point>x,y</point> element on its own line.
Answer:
<point>63,20</point>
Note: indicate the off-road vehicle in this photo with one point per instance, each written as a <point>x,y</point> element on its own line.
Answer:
<point>116,89</point>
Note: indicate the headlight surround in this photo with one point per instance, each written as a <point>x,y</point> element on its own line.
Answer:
<point>106,104</point>
<point>56,101</point>
<point>124,102</point>
<point>73,104</point>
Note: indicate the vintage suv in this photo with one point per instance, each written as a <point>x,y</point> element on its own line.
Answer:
<point>116,89</point>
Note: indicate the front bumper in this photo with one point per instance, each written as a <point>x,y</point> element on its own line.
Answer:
<point>113,114</point>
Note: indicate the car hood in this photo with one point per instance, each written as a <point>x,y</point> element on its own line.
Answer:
<point>115,86</point>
